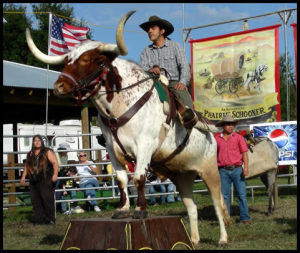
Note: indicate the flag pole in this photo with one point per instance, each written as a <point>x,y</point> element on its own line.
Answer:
<point>49,36</point>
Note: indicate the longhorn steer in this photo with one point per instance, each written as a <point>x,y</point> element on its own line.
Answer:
<point>92,70</point>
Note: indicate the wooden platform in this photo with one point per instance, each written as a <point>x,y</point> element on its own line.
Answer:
<point>155,233</point>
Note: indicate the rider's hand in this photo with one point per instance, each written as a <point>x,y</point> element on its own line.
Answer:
<point>155,71</point>
<point>180,86</point>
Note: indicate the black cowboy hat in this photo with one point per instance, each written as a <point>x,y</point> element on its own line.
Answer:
<point>155,20</point>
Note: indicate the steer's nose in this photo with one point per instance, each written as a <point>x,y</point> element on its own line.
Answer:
<point>58,87</point>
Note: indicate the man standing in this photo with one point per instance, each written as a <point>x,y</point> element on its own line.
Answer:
<point>231,154</point>
<point>168,55</point>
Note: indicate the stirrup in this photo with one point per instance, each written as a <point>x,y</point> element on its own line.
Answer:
<point>189,118</point>
<point>190,124</point>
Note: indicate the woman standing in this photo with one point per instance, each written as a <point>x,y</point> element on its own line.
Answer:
<point>41,167</point>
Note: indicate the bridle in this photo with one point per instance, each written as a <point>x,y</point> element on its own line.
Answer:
<point>97,77</point>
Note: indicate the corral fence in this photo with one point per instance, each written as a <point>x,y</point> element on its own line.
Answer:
<point>12,183</point>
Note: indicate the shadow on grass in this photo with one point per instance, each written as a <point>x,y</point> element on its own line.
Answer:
<point>207,213</point>
<point>52,239</point>
<point>290,222</point>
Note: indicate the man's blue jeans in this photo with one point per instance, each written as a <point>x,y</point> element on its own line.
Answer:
<point>91,182</point>
<point>170,198</point>
<point>159,188</point>
<point>236,177</point>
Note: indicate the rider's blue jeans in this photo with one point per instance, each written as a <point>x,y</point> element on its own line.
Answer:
<point>236,177</point>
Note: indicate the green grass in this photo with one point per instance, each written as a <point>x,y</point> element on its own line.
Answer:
<point>278,231</point>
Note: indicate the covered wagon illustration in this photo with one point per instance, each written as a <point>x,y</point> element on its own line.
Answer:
<point>228,73</point>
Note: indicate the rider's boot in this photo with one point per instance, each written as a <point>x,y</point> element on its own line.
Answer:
<point>189,119</point>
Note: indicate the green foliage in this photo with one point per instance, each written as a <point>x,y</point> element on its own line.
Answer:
<point>14,43</point>
<point>94,121</point>
<point>283,88</point>
<point>14,46</point>
<point>265,232</point>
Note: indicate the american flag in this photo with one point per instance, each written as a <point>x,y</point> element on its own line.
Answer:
<point>64,36</point>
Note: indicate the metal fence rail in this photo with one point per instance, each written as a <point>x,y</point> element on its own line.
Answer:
<point>104,185</point>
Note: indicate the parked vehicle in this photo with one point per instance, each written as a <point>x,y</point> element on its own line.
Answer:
<point>66,131</point>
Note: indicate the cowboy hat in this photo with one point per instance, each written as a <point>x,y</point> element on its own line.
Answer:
<point>155,20</point>
<point>226,118</point>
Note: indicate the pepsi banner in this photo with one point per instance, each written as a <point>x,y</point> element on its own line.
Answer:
<point>237,74</point>
<point>284,135</point>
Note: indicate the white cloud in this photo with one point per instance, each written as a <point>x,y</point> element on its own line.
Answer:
<point>210,14</point>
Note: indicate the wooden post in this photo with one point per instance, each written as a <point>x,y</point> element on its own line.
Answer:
<point>11,176</point>
<point>99,155</point>
<point>85,128</point>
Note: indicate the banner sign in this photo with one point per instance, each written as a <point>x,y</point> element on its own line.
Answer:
<point>295,48</point>
<point>284,135</point>
<point>237,74</point>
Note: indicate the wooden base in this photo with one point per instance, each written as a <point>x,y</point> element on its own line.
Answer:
<point>156,233</point>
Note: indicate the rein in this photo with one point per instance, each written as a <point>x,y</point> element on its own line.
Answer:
<point>95,78</point>
<point>115,123</point>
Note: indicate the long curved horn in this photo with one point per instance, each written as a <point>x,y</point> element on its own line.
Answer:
<point>41,56</point>
<point>119,34</point>
<point>120,48</point>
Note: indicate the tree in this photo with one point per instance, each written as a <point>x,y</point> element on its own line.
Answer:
<point>283,88</point>
<point>14,46</point>
<point>41,34</point>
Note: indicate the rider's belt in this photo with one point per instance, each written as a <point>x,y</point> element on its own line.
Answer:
<point>229,167</point>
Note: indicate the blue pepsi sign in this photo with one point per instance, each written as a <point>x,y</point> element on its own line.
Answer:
<point>284,135</point>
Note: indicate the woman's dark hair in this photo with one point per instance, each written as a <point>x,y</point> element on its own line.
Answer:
<point>40,159</point>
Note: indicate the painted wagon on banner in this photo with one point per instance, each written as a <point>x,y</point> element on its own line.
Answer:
<point>229,73</point>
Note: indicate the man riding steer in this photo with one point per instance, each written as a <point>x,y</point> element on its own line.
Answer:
<point>165,54</point>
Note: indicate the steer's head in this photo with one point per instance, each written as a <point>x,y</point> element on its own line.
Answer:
<point>84,64</point>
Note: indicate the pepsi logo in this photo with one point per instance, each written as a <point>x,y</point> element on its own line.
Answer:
<point>279,137</point>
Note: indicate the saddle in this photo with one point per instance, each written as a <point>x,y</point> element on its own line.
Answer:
<point>250,140</point>
<point>175,105</point>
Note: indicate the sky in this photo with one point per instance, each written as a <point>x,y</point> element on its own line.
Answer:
<point>103,18</point>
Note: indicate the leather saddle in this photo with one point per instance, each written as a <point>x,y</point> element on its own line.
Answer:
<point>175,105</point>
